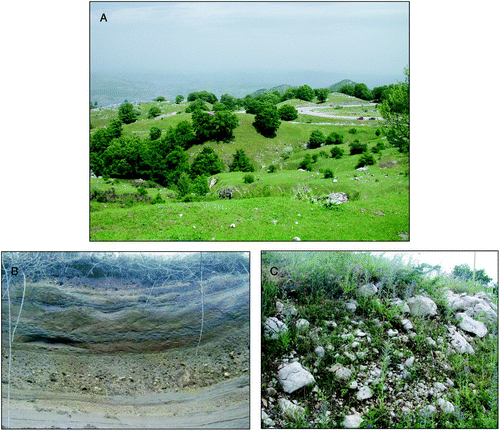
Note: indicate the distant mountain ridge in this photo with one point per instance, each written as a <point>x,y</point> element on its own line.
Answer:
<point>283,87</point>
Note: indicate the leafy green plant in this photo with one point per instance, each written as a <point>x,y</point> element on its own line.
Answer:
<point>248,179</point>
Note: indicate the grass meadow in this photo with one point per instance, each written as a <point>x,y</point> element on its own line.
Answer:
<point>271,208</point>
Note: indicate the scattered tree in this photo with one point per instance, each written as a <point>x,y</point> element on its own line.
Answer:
<point>183,184</point>
<point>365,160</point>
<point>267,121</point>
<point>127,113</point>
<point>288,113</point>
<point>337,152</point>
<point>160,99</point>
<point>334,138</point>
<point>357,147</point>
<point>198,104</point>
<point>154,111</point>
<point>306,163</point>
<point>316,139</point>
<point>322,94</point>
<point>179,99</point>
<point>241,163</point>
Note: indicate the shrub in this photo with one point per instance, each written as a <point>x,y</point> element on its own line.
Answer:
<point>248,179</point>
<point>158,199</point>
<point>315,158</point>
<point>352,130</point>
<point>183,184</point>
<point>365,160</point>
<point>334,138</point>
<point>154,133</point>
<point>200,186</point>
<point>328,173</point>
<point>316,139</point>
<point>377,132</point>
<point>241,163</point>
<point>323,154</point>
<point>337,152</point>
<point>154,112</point>
<point>272,168</point>
<point>306,163</point>
<point>357,147</point>
<point>142,191</point>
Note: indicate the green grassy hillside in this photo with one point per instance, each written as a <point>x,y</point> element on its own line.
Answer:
<point>276,206</point>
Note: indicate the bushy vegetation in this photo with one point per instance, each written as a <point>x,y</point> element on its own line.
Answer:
<point>317,284</point>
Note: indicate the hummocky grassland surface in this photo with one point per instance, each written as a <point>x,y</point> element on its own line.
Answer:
<point>282,205</point>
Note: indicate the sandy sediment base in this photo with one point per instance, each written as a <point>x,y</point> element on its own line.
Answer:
<point>60,386</point>
<point>223,405</point>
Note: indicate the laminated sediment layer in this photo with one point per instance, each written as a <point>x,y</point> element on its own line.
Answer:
<point>129,317</point>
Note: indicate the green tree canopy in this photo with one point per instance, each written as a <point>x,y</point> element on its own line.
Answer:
<point>197,104</point>
<point>206,163</point>
<point>334,138</point>
<point>322,94</point>
<point>160,99</point>
<point>465,273</point>
<point>361,91</point>
<point>316,139</point>
<point>176,163</point>
<point>288,113</point>
<point>229,101</point>
<point>154,111</point>
<point>179,99</point>
<point>217,127</point>
<point>395,108</point>
<point>241,163</point>
<point>267,121</point>
<point>305,92</point>
<point>127,113</point>
<point>154,133</point>
<point>114,128</point>
<point>290,93</point>
<point>203,95</point>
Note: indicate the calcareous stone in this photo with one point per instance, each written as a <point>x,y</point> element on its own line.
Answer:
<point>294,376</point>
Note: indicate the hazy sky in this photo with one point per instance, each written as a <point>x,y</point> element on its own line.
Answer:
<point>347,37</point>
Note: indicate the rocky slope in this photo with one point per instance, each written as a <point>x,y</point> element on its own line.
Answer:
<point>355,356</point>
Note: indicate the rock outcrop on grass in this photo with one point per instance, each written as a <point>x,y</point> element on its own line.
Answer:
<point>367,350</point>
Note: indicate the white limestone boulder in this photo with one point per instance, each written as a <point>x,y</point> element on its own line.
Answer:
<point>422,306</point>
<point>273,327</point>
<point>290,410</point>
<point>468,324</point>
<point>352,421</point>
<point>293,376</point>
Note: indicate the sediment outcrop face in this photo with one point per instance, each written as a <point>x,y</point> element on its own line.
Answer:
<point>107,315</point>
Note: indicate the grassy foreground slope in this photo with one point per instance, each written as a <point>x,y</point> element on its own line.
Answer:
<point>275,207</point>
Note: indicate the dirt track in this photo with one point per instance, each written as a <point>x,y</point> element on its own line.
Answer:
<point>223,405</point>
